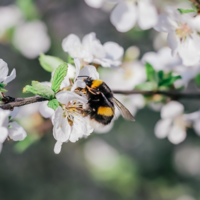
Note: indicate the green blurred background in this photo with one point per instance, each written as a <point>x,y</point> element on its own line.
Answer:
<point>129,162</point>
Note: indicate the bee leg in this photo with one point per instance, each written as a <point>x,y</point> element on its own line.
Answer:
<point>90,90</point>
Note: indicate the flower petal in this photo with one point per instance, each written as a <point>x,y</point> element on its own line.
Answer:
<point>173,42</point>
<point>70,41</point>
<point>61,129</point>
<point>89,71</point>
<point>3,134</point>
<point>57,147</point>
<point>14,113</point>
<point>65,96</point>
<point>162,128</point>
<point>3,70</point>
<point>114,51</point>
<point>147,14</point>
<point>164,24</point>
<point>77,84</point>
<point>45,111</point>
<point>124,16</point>
<point>78,67</point>
<point>196,126</point>
<point>177,135</point>
<point>4,114</point>
<point>94,3</point>
<point>11,77</point>
<point>16,132</point>
<point>171,110</point>
<point>189,52</point>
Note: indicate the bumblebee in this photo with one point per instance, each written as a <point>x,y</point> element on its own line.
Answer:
<point>101,102</point>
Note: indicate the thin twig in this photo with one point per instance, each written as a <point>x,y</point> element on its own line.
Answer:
<point>178,95</point>
<point>24,101</point>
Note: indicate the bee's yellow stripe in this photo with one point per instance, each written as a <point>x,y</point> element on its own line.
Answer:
<point>96,83</point>
<point>106,111</point>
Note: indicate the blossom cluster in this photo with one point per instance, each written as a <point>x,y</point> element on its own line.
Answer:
<point>171,68</point>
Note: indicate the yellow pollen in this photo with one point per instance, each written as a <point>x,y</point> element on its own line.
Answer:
<point>183,32</point>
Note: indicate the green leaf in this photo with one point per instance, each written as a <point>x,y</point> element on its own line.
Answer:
<point>49,63</point>
<point>152,75</point>
<point>2,85</point>
<point>70,59</point>
<point>169,81</point>
<point>184,11</point>
<point>2,90</point>
<point>149,86</point>
<point>53,104</point>
<point>160,75</point>
<point>39,89</point>
<point>197,79</point>
<point>28,9</point>
<point>59,76</point>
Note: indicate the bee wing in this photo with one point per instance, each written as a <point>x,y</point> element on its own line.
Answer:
<point>124,111</point>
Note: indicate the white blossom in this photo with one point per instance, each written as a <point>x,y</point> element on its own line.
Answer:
<point>9,128</point>
<point>183,38</point>
<point>163,60</point>
<point>31,39</point>
<point>69,124</point>
<point>172,125</point>
<point>90,50</point>
<point>133,73</point>
<point>10,17</point>
<point>4,78</point>
<point>127,12</point>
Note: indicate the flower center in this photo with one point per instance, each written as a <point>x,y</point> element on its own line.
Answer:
<point>179,121</point>
<point>183,32</point>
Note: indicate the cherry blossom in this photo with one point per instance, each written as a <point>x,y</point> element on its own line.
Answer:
<point>90,50</point>
<point>10,17</point>
<point>69,123</point>
<point>173,124</point>
<point>183,38</point>
<point>29,42</point>
<point>4,78</point>
<point>10,128</point>
<point>127,12</point>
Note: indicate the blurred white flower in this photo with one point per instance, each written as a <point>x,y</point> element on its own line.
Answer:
<point>100,155</point>
<point>132,102</point>
<point>163,60</point>
<point>31,39</point>
<point>186,197</point>
<point>94,3</point>
<point>127,12</point>
<point>4,78</point>
<point>187,160</point>
<point>10,17</point>
<point>183,35</point>
<point>90,50</point>
<point>10,129</point>
<point>173,124</point>
<point>133,74</point>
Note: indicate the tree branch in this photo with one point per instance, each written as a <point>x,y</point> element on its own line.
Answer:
<point>10,102</point>
<point>17,102</point>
